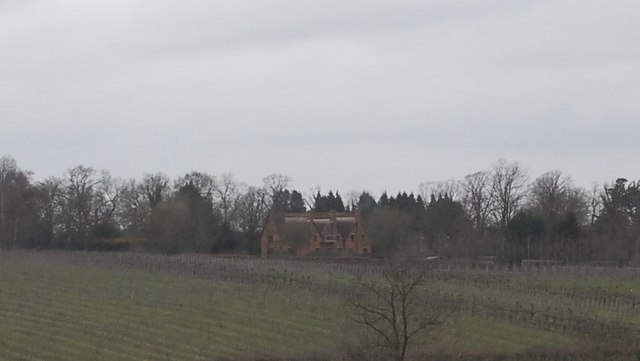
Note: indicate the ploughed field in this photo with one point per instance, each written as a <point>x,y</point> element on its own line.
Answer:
<point>129,306</point>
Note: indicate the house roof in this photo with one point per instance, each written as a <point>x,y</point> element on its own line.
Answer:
<point>349,219</point>
<point>321,224</point>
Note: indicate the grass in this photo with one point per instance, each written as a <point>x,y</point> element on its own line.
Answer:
<point>116,315</point>
<point>75,306</point>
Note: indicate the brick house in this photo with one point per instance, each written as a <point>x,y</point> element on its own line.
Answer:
<point>309,234</point>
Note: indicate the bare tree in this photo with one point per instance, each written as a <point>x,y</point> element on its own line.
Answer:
<point>252,210</point>
<point>156,188</point>
<point>399,305</point>
<point>478,199</point>
<point>15,197</point>
<point>449,187</point>
<point>138,199</point>
<point>226,193</point>
<point>276,184</point>
<point>107,195</point>
<point>595,203</point>
<point>554,196</point>
<point>508,185</point>
<point>310,196</point>
<point>549,192</point>
<point>351,199</point>
<point>251,213</point>
<point>578,202</point>
<point>203,183</point>
<point>90,200</point>
<point>49,202</point>
<point>134,208</point>
<point>79,190</point>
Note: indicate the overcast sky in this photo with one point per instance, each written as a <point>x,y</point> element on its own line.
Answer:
<point>359,94</point>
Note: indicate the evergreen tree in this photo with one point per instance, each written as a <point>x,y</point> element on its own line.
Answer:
<point>328,203</point>
<point>296,203</point>
<point>366,204</point>
<point>338,205</point>
<point>384,200</point>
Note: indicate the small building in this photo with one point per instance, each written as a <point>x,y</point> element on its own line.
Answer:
<point>314,234</point>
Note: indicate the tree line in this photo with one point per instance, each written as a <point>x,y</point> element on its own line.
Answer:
<point>498,212</point>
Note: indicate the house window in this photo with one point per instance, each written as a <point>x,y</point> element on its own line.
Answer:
<point>353,237</point>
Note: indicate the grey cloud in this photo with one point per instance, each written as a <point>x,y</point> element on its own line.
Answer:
<point>372,94</point>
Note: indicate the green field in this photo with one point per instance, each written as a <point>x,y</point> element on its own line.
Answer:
<point>127,306</point>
